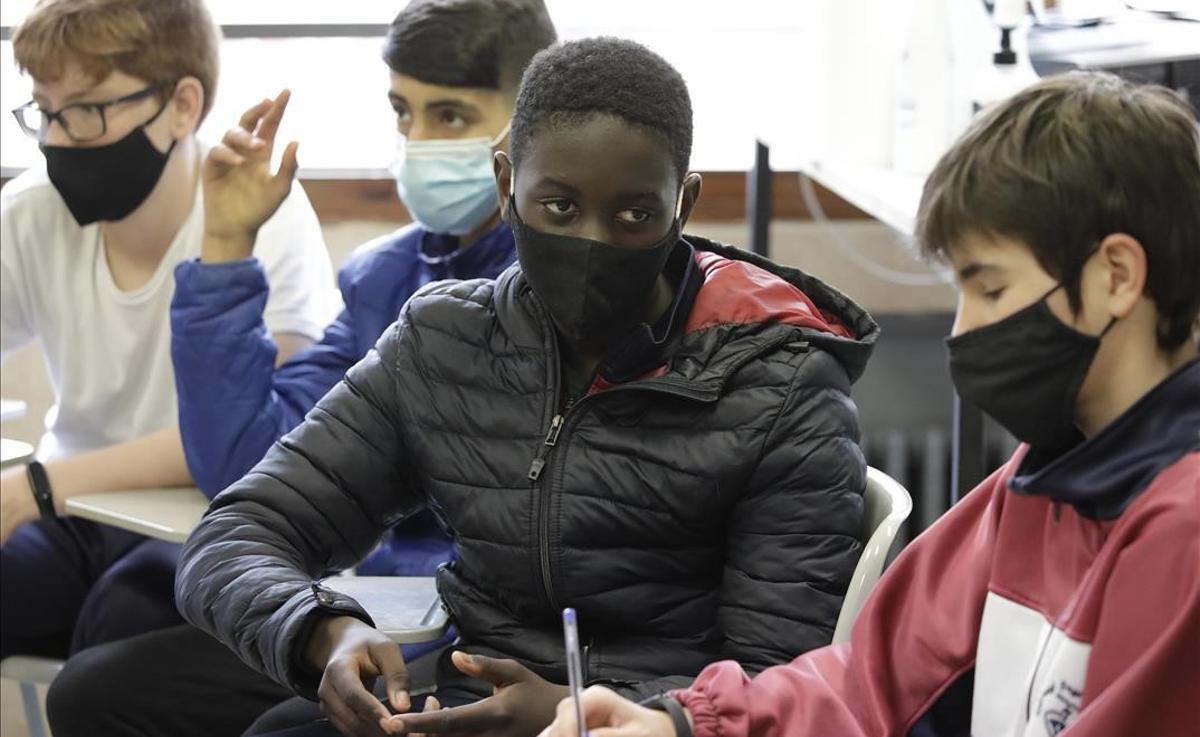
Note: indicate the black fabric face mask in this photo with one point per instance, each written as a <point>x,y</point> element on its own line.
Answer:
<point>595,292</point>
<point>1025,371</point>
<point>107,182</point>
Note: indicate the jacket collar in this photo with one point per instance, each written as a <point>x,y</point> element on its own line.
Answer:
<point>440,252</point>
<point>745,306</point>
<point>1103,475</point>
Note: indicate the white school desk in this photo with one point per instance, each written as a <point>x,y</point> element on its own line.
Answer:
<point>406,609</point>
<point>12,409</point>
<point>13,452</point>
<point>165,514</point>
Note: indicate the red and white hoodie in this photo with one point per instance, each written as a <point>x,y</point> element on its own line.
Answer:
<point>1060,596</point>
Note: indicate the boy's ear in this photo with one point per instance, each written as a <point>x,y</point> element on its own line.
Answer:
<point>690,194</point>
<point>186,103</point>
<point>1123,261</point>
<point>502,168</point>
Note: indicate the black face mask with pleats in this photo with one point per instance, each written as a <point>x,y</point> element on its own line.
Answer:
<point>1025,371</point>
<point>595,292</point>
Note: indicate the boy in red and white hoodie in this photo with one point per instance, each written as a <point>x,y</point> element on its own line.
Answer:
<point>1062,594</point>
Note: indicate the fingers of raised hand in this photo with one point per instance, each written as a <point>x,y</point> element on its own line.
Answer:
<point>288,164</point>
<point>244,142</point>
<point>268,125</point>
<point>223,157</point>
<point>250,118</point>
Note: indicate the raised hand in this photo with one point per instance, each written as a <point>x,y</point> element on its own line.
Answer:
<point>240,192</point>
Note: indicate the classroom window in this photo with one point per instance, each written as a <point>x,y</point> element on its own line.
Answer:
<point>740,62</point>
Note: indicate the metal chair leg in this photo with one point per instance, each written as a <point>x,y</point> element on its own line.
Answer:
<point>33,711</point>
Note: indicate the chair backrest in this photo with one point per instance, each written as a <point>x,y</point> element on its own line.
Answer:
<point>30,668</point>
<point>886,504</point>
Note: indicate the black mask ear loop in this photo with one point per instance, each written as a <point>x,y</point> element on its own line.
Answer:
<point>155,117</point>
<point>1112,321</point>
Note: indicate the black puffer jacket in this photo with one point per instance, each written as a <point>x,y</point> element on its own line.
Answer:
<point>709,512</point>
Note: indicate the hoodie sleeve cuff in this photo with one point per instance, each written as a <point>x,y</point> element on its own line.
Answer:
<point>704,713</point>
<point>674,710</point>
<point>206,291</point>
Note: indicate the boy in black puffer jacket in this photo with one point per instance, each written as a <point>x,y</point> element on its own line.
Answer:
<point>648,427</point>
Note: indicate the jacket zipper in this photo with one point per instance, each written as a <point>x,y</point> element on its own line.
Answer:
<point>539,461</point>
<point>537,467</point>
<point>535,474</point>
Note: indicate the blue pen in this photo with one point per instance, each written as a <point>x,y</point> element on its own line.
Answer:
<point>574,666</point>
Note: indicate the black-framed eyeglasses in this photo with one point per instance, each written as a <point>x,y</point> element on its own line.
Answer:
<point>81,121</point>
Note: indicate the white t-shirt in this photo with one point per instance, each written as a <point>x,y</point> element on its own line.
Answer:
<point>109,351</point>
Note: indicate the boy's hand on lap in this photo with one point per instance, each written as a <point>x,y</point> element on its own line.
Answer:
<point>522,703</point>
<point>352,654</point>
<point>240,192</point>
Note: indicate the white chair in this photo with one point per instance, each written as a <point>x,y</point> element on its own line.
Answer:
<point>30,671</point>
<point>886,504</point>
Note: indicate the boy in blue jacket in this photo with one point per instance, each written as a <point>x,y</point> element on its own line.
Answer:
<point>455,66</point>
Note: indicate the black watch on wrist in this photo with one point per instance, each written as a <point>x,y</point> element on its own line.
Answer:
<point>674,710</point>
<point>39,486</point>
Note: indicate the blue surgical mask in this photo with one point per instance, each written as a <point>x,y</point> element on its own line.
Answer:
<point>447,185</point>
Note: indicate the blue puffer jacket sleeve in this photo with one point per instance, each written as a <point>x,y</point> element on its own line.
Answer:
<point>233,402</point>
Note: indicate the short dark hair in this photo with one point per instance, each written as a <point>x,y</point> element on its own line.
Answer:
<point>468,43</point>
<point>565,85</point>
<point>1069,161</point>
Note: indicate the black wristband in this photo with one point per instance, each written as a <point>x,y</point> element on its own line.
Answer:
<point>39,486</point>
<point>674,710</point>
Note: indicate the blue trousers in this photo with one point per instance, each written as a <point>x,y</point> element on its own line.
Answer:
<point>69,584</point>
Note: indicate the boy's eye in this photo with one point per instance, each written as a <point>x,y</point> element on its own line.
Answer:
<point>451,119</point>
<point>403,118</point>
<point>633,216</point>
<point>993,295</point>
<point>558,206</point>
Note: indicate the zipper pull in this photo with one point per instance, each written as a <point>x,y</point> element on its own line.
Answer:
<point>535,468</point>
<point>555,428</point>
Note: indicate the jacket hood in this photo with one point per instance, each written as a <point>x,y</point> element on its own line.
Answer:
<point>743,289</point>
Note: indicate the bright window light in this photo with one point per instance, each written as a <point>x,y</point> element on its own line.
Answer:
<point>739,59</point>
